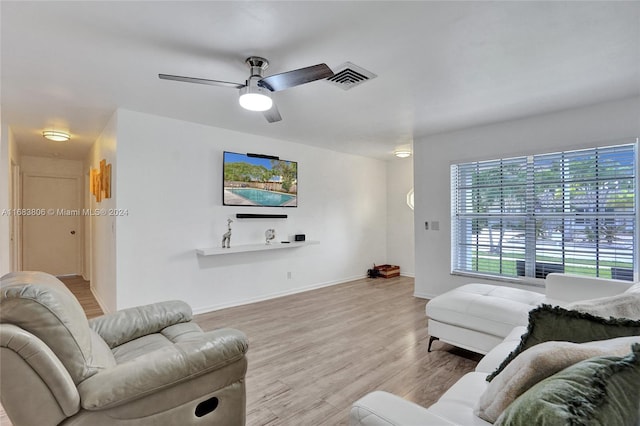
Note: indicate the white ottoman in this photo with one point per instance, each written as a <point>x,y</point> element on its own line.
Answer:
<point>478,317</point>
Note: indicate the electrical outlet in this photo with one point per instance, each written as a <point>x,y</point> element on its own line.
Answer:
<point>426,226</point>
<point>288,275</point>
<point>435,225</point>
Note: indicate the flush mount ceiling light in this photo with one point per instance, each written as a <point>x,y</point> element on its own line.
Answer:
<point>402,153</point>
<point>56,135</point>
<point>254,97</point>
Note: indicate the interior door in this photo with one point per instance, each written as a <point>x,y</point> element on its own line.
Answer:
<point>51,224</point>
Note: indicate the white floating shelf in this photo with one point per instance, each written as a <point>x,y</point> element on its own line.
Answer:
<point>215,251</point>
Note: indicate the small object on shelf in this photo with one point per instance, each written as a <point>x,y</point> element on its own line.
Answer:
<point>387,271</point>
<point>226,238</point>
<point>269,235</point>
<point>300,237</point>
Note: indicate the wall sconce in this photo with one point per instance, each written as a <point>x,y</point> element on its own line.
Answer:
<point>56,135</point>
<point>410,199</point>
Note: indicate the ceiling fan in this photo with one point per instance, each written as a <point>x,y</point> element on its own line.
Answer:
<point>255,93</point>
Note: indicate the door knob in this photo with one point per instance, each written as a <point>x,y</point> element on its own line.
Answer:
<point>73,232</point>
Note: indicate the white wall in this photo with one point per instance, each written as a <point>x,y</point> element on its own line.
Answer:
<point>170,181</point>
<point>15,201</point>
<point>50,166</point>
<point>578,128</point>
<point>9,154</point>
<point>101,248</point>
<point>400,229</point>
<point>5,170</point>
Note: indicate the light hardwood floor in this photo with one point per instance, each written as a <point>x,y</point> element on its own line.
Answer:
<point>81,290</point>
<point>311,355</point>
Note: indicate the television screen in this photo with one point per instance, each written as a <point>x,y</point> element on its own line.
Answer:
<point>254,180</point>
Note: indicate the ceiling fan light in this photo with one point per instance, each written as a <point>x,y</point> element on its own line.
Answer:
<point>55,135</point>
<point>255,102</point>
<point>255,99</point>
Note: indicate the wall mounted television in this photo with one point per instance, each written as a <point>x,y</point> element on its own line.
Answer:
<point>259,180</point>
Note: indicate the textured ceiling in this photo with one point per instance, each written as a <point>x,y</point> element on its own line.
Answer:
<point>440,65</point>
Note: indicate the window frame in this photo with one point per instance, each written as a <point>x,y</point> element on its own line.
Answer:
<point>461,262</point>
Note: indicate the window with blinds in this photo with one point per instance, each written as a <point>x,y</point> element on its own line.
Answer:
<point>572,211</point>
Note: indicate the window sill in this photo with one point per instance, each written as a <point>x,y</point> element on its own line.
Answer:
<point>530,282</point>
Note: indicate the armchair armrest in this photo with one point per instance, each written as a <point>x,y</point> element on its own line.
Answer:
<point>162,368</point>
<point>573,288</point>
<point>128,324</point>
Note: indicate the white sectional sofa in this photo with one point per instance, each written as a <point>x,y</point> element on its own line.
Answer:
<point>479,316</point>
<point>456,406</point>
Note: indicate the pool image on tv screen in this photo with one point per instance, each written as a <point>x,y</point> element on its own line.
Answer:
<point>251,180</point>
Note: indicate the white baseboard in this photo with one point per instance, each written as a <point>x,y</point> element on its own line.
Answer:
<point>211,308</point>
<point>423,295</point>
<point>205,309</point>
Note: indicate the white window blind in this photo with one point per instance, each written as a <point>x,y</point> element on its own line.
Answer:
<point>572,211</point>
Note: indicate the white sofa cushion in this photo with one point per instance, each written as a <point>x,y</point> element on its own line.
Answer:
<point>385,409</point>
<point>574,288</point>
<point>488,308</point>
<point>492,360</point>
<point>457,403</point>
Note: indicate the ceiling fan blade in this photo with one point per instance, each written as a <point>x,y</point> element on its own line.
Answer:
<point>272,115</point>
<point>297,77</point>
<point>201,81</point>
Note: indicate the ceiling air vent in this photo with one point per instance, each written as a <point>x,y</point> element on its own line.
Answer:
<point>349,75</point>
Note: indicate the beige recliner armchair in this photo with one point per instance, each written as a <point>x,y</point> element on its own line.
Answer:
<point>149,365</point>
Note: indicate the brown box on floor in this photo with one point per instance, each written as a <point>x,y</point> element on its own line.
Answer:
<point>388,271</point>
